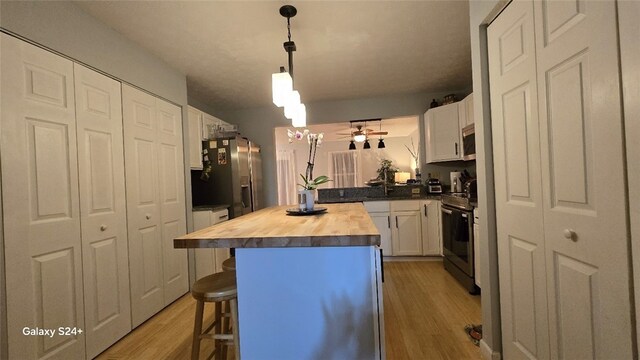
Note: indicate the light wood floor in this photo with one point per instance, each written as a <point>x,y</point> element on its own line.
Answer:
<point>425,311</point>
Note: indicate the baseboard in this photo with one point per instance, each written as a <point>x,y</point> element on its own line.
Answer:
<point>412,258</point>
<point>487,353</point>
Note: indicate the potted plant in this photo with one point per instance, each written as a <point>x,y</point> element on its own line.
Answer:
<point>386,167</point>
<point>310,183</point>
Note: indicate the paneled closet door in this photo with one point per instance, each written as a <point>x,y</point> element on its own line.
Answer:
<point>585,218</point>
<point>143,204</point>
<point>105,259</point>
<point>172,198</point>
<point>518,188</point>
<point>40,201</point>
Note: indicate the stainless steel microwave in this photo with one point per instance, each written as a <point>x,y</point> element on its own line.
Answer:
<point>469,142</point>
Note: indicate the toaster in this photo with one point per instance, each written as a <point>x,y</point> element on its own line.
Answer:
<point>434,186</point>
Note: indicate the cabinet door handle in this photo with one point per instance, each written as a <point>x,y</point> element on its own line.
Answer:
<point>456,148</point>
<point>223,217</point>
<point>396,222</point>
<point>389,221</point>
<point>425,210</point>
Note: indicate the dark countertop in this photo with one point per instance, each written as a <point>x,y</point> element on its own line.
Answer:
<point>377,198</point>
<point>210,207</point>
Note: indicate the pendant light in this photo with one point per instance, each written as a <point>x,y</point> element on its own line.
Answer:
<point>352,145</point>
<point>366,144</point>
<point>380,141</point>
<point>282,82</point>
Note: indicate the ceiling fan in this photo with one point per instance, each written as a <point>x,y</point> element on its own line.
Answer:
<point>360,134</point>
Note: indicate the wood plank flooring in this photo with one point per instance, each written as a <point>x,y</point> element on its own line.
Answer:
<point>425,311</point>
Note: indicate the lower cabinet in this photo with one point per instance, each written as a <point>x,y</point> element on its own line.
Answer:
<point>407,227</point>
<point>407,233</point>
<point>209,261</point>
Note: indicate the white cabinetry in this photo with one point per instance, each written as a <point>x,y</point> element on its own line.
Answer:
<point>442,134</point>
<point>195,138</point>
<point>379,212</point>
<point>209,261</point>
<point>465,111</point>
<point>155,202</point>
<point>407,227</point>
<point>431,240</point>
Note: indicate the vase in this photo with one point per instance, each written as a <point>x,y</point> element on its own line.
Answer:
<point>306,200</point>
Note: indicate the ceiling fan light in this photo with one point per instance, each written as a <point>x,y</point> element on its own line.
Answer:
<point>366,145</point>
<point>281,86</point>
<point>360,137</point>
<point>352,145</point>
<point>300,117</point>
<point>381,144</point>
<point>292,104</point>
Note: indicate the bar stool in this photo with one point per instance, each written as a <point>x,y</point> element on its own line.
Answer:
<point>229,264</point>
<point>216,288</point>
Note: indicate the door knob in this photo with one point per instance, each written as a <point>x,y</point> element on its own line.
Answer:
<point>103,227</point>
<point>148,216</point>
<point>570,234</point>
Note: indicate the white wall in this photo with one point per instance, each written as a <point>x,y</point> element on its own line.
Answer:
<point>370,159</point>
<point>629,13</point>
<point>258,124</point>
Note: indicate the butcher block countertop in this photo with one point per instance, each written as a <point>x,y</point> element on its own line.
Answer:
<point>345,224</point>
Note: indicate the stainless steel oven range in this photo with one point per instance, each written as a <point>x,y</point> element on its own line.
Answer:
<point>457,237</point>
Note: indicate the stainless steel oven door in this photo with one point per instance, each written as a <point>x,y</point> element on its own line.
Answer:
<point>457,238</point>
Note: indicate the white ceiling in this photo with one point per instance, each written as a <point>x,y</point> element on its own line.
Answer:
<point>396,127</point>
<point>346,49</point>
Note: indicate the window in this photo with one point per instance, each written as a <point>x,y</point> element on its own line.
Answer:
<point>286,168</point>
<point>343,169</point>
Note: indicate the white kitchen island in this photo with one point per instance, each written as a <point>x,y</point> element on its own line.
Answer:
<point>309,287</point>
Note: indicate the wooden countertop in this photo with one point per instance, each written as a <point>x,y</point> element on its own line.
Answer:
<point>342,225</point>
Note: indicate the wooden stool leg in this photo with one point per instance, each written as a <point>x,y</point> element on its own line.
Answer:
<point>197,330</point>
<point>218,328</point>
<point>236,328</point>
<point>226,322</point>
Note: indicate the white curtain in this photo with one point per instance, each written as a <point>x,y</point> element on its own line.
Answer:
<point>344,169</point>
<point>286,168</point>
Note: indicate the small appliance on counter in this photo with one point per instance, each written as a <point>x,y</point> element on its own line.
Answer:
<point>456,181</point>
<point>434,186</point>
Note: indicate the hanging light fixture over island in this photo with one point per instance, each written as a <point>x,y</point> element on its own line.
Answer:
<point>282,88</point>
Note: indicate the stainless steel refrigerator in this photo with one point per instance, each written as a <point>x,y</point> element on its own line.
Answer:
<point>227,176</point>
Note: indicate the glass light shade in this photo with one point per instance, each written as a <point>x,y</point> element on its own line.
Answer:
<point>292,104</point>
<point>300,117</point>
<point>360,138</point>
<point>352,145</point>
<point>381,144</point>
<point>402,177</point>
<point>366,145</point>
<point>281,86</point>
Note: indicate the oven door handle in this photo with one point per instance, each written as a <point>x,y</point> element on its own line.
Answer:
<point>447,211</point>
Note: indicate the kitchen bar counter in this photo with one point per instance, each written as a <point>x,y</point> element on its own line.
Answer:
<point>309,287</point>
<point>342,225</point>
<point>340,200</point>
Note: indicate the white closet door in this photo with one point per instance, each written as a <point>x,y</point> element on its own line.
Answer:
<point>105,260</point>
<point>172,199</point>
<point>519,213</point>
<point>143,204</point>
<point>40,201</point>
<point>582,175</point>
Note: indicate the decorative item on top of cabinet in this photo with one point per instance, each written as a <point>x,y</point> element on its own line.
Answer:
<point>442,129</point>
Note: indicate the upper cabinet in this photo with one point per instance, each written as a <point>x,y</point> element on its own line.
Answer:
<point>465,111</point>
<point>443,127</point>
<point>195,138</point>
<point>442,133</point>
